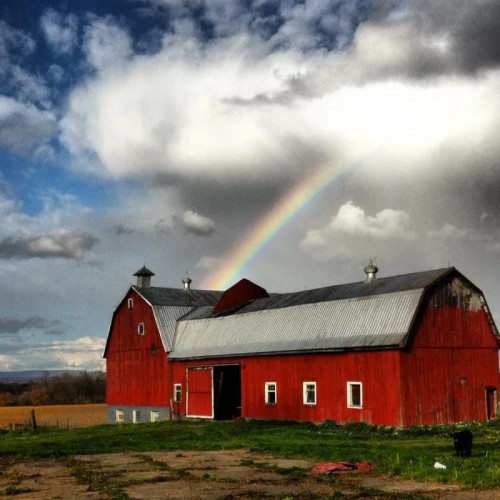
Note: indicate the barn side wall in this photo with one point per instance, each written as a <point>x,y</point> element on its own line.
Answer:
<point>136,365</point>
<point>378,372</point>
<point>452,360</point>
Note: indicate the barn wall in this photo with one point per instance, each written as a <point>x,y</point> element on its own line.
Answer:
<point>452,359</point>
<point>377,371</point>
<point>136,376</point>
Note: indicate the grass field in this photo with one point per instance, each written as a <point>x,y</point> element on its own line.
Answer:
<point>58,416</point>
<point>410,453</point>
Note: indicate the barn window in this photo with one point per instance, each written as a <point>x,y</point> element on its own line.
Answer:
<point>270,393</point>
<point>177,393</point>
<point>141,329</point>
<point>153,348</point>
<point>155,416</point>
<point>354,395</point>
<point>119,416</point>
<point>309,393</point>
<point>136,416</point>
<point>130,303</point>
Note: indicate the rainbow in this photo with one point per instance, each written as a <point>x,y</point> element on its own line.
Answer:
<point>262,233</point>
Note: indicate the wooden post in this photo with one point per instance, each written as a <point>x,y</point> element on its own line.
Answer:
<point>33,421</point>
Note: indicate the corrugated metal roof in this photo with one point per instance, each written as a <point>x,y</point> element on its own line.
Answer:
<point>166,318</point>
<point>377,320</point>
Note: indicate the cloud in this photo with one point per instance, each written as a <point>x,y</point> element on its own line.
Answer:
<point>209,263</point>
<point>196,224</point>
<point>121,229</point>
<point>351,229</point>
<point>490,240</point>
<point>15,325</point>
<point>190,221</point>
<point>84,353</point>
<point>61,32</point>
<point>25,129</point>
<point>58,243</point>
<point>106,45</point>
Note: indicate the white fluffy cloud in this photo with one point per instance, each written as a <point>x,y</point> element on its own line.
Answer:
<point>235,108</point>
<point>351,229</point>
<point>197,224</point>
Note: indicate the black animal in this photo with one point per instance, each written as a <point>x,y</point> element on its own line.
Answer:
<point>463,443</point>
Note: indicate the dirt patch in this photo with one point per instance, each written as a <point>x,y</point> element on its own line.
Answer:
<point>225,474</point>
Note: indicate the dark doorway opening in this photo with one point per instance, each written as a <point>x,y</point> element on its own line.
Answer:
<point>227,392</point>
<point>491,397</point>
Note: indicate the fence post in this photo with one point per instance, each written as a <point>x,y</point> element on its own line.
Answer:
<point>33,421</point>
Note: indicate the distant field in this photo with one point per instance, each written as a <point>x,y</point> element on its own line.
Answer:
<point>61,416</point>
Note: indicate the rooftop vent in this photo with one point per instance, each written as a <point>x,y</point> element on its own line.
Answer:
<point>187,282</point>
<point>371,271</point>
<point>144,277</point>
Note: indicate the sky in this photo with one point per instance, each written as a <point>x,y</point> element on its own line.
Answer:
<point>283,141</point>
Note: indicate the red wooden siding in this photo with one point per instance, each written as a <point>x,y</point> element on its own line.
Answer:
<point>453,360</point>
<point>377,371</point>
<point>199,400</point>
<point>135,375</point>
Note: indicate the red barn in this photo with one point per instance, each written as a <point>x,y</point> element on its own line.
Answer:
<point>419,348</point>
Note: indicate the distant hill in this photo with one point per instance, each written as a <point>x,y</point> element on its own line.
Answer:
<point>24,376</point>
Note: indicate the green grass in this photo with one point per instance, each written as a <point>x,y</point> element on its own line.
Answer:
<point>409,453</point>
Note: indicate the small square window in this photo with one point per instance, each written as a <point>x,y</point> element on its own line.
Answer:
<point>309,393</point>
<point>270,393</point>
<point>177,393</point>
<point>136,416</point>
<point>354,395</point>
<point>141,329</point>
<point>155,416</point>
<point>119,416</point>
<point>130,303</point>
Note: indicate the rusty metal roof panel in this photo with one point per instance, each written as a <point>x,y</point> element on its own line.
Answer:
<point>374,321</point>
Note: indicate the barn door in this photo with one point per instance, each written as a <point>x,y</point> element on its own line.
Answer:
<point>199,392</point>
<point>227,392</point>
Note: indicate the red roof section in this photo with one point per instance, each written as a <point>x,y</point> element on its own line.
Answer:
<point>238,295</point>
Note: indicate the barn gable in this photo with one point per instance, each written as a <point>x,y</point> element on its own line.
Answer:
<point>167,304</point>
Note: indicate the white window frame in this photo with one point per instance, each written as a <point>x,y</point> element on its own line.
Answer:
<point>141,329</point>
<point>305,392</point>
<point>350,403</point>
<point>119,416</point>
<point>271,388</point>
<point>136,416</point>
<point>154,416</point>
<point>177,393</point>
<point>130,303</point>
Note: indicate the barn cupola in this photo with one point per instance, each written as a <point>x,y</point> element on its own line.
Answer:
<point>144,277</point>
<point>371,271</point>
<point>187,282</point>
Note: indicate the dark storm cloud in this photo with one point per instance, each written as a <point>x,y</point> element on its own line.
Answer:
<point>471,29</point>
<point>12,326</point>
<point>478,36</point>
<point>59,243</point>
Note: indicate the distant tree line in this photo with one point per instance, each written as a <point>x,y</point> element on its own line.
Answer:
<point>65,389</point>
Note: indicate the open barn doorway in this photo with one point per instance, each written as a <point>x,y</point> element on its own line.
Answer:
<point>227,392</point>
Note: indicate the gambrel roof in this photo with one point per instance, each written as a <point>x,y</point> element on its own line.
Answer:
<point>363,315</point>
<point>168,305</point>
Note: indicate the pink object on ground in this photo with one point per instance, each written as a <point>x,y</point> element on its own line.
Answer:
<point>329,467</point>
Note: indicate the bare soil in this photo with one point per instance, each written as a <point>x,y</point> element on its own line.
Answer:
<point>226,475</point>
